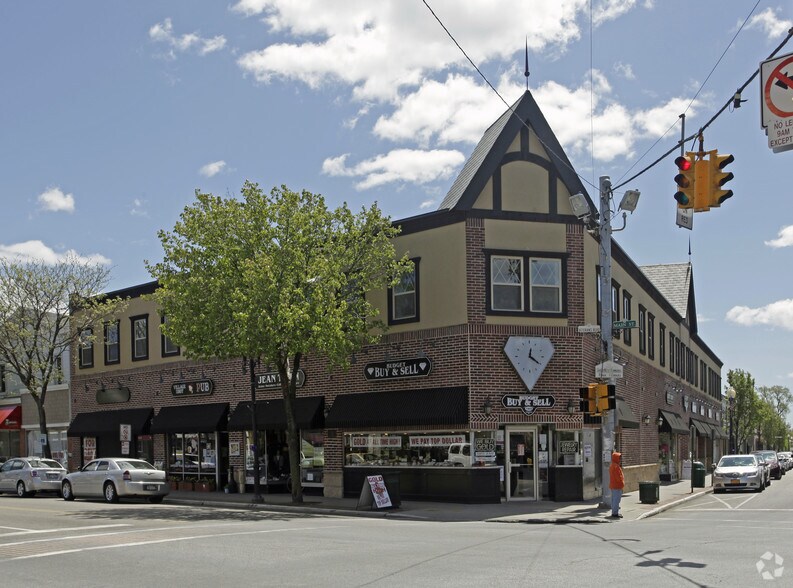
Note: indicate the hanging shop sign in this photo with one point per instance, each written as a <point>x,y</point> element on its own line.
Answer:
<point>272,380</point>
<point>416,367</point>
<point>197,388</point>
<point>528,403</point>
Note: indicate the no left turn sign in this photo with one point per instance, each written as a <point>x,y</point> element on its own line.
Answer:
<point>776,85</point>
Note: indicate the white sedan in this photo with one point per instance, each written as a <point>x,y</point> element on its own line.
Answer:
<point>739,472</point>
<point>114,478</point>
<point>28,475</point>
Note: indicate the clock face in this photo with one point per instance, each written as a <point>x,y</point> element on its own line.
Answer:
<point>529,356</point>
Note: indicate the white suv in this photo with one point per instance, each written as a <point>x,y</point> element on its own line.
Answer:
<point>460,454</point>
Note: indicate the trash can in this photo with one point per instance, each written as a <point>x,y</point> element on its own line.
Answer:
<point>698,475</point>
<point>649,492</point>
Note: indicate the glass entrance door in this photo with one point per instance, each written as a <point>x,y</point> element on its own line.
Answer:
<point>522,464</point>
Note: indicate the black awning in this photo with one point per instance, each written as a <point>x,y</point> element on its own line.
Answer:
<point>108,422</point>
<point>716,431</point>
<point>405,408</point>
<point>192,418</point>
<point>625,417</point>
<point>673,423</point>
<point>270,414</point>
<point>703,429</point>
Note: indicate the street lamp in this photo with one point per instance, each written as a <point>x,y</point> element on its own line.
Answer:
<point>731,403</point>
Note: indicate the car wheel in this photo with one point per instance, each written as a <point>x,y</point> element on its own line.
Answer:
<point>156,499</point>
<point>66,491</point>
<point>718,491</point>
<point>110,493</point>
<point>21,491</point>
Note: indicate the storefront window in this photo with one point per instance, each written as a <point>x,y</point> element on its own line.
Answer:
<point>312,457</point>
<point>567,448</point>
<point>274,466</point>
<point>191,454</point>
<point>417,449</point>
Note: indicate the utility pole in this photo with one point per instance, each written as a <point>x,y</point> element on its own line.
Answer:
<point>608,420</point>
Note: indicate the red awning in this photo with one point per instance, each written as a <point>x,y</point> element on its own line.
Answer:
<point>10,417</point>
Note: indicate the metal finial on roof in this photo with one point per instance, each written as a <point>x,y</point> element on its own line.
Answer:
<point>526,72</point>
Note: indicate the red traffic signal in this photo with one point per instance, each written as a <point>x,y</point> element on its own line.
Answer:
<point>685,180</point>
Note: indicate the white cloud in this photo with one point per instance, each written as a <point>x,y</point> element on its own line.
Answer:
<point>138,208</point>
<point>212,169</point>
<point>769,23</point>
<point>427,204</point>
<point>784,238</point>
<point>54,200</point>
<point>777,314</point>
<point>611,10</point>
<point>379,48</point>
<point>162,32</point>
<point>625,70</point>
<point>400,165</point>
<point>38,251</point>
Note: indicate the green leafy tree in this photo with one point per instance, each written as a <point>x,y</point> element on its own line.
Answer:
<point>271,278</point>
<point>776,406</point>
<point>36,326</point>
<point>745,407</point>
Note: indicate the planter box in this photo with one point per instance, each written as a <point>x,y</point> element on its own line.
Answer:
<point>185,486</point>
<point>203,487</point>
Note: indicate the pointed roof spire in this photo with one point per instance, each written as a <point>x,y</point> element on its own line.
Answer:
<point>526,72</point>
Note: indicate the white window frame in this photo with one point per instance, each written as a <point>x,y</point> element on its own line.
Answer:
<point>397,292</point>
<point>136,339</point>
<point>557,287</point>
<point>495,284</point>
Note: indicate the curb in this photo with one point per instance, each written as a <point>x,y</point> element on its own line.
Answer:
<point>669,505</point>
<point>281,508</point>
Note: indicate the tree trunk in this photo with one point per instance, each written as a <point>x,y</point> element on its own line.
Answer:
<point>45,448</point>
<point>288,388</point>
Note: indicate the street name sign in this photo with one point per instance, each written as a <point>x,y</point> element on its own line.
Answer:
<point>623,325</point>
<point>588,328</point>
<point>608,370</point>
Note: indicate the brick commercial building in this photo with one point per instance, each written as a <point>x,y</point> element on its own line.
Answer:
<point>473,395</point>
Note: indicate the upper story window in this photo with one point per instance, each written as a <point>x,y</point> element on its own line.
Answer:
<point>506,283</point>
<point>615,308</point>
<point>626,314</point>
<point>403,299</point>
<point>86,348</point>
<point>546,285</point>
<point>523,283</point>
<point>662,344</point>
<point>642,330</point>
<point>140,337</point>
<point>168,347</point>
<point>650,335</point>
<point>112,349</point>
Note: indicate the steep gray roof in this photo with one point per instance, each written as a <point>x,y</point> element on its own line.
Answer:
<point>674,282</point>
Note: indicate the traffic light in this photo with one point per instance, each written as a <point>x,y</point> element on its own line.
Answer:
<point>717,178</point>
<point>685,180</point>
<point>588,396</point>
<point>701,185</point>
<point>606,397</point>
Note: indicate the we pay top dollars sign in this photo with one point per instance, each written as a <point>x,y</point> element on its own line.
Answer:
<point>776,86</point>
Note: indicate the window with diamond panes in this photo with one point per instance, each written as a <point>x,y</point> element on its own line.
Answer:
<point>546,285</point>
<point>506,279</point>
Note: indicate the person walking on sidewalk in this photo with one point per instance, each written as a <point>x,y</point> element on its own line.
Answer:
<point>616,483</point>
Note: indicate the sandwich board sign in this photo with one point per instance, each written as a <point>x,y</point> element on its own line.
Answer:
<point>374,493</point>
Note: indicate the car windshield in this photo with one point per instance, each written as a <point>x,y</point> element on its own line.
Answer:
<point>45,463</point>
<point>135,464</point>
<point>769,454</point>
<point>736,461</point>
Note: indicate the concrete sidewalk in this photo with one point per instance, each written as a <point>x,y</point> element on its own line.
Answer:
<point>540,512</point>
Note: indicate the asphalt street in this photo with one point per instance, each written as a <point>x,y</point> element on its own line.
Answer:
<point>724,540</point>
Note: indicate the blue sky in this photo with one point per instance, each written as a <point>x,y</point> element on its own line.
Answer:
<point>113,113</point>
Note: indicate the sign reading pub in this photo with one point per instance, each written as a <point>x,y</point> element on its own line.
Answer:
<point>197,388</point>
<point>417,367</point>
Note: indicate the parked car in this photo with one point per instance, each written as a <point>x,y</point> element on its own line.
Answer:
<point>785,459</point>
<point>739,472</point>
<point>766,469</point>
<point>773,462</point>
<point>114,478</point>
<point>460,454</point>
<point>28,475</point>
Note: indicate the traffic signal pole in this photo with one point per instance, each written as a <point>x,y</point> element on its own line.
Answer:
<point>608,419</point>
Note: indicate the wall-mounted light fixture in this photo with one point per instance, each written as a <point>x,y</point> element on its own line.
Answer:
<point>571,406</point>
<point>660,420</point>
<point>487,407</point>
<point>646,419</point>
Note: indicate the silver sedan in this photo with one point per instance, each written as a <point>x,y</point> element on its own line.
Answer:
<point>739,472</point>
<point>28,475</point>
<point>116,477</point>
